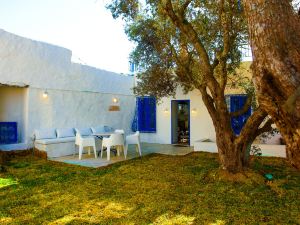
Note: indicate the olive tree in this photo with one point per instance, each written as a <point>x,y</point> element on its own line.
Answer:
<point>274,28</point>
<point>193,45</point>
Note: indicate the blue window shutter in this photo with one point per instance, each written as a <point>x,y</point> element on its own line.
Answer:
<point>8,133</point>
<point>236,103</point>
<point>131,67</point>
<point>146,115</point>
<point>140,109</point>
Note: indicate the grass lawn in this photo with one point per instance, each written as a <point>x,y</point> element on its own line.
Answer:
<point>156,189</point>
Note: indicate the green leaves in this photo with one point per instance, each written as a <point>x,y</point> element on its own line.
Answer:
<point>165,56</point>
<point>126,9</point>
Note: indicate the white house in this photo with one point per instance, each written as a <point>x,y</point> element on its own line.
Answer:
<point>40,87</point>
<point>77,95</point>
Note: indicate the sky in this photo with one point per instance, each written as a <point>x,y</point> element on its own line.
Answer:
<point>84,26</point>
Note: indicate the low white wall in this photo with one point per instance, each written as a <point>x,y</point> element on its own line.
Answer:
<point>266,149</point>
<point>272,150</point>
<point>201,125</point>
<point>46,66</point>
<point>12,108</point>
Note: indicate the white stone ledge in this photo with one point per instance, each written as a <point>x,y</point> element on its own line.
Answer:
<point>14,147</point>
<point>267,150</point>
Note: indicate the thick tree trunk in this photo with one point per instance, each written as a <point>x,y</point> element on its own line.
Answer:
<point>230,153</point>
<point>232,149</point>
<point>274,30</point>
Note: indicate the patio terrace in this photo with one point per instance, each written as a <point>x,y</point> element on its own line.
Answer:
<point>147,148</point>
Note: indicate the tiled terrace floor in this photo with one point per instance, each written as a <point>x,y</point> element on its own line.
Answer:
<point>90,161</point>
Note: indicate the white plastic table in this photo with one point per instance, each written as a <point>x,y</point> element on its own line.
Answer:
<point>103,134</point>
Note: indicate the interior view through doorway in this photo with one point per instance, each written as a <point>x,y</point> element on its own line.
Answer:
<point>180,116</point>
<point>12,114</point>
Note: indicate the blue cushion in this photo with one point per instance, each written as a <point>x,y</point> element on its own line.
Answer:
<point>84,131</point>
<point>45,134</point>
<point>65,132</point>
<point>108,129</point>
<point>98,130</point>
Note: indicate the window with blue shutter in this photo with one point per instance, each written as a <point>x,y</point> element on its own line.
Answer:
<point>146,114</point>
<point>8,133</point>
<point>131,67</point>
<point>236,103</point>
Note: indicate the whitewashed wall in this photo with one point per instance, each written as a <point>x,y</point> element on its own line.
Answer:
<point>78,95</point>
<point>63,109</point>
<point>42,65</point>
<point>201,125</point>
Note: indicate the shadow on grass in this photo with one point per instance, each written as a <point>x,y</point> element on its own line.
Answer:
<point>155,189</point>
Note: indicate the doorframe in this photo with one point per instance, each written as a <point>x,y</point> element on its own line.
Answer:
<point>189,118</point>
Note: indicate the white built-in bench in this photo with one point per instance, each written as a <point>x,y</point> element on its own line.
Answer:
<point>61,142</point>
<point>276,150</point>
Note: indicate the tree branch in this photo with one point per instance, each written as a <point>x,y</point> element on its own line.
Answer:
<point>266,128</point>
<point>215,63</point>
<point>244,109</point>
<point>209,103</point>
<point>252,125</point>
<point>290,103</point>
<point>225,17</point>
<point>187,29</point>
<point>184,7</point>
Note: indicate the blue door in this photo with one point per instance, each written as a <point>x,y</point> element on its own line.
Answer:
<point>180,122</point>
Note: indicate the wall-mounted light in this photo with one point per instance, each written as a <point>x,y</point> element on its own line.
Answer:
<point>166,110</point>
<point>115,100</point>
<point>45,94</point>
<point>194,110</point>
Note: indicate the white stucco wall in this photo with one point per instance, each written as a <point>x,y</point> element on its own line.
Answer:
<point>63,109</point>
<point>201,125</point>
<point>42,65</point>
<point>78,95</point>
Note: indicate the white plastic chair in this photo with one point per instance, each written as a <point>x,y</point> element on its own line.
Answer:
<point>115,139</point>
<point>133,139</point>
<point>119,148</point>
<point>85,142</point>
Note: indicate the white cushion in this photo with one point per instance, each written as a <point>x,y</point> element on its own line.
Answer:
<point>108,129</point>
<point>273,139</point>
<point>55,141</point>
<point>45,134</point>
<point>97,130</point>
<point>84,131</point>
<point>65,132</point>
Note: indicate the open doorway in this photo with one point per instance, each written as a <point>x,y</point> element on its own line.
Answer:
<point>12,114</point>
<point>180,120</point>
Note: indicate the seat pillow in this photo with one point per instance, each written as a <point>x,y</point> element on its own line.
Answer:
<point>108,129</point>
<point>97,130</point>
<point>84,131</point>
<point>65,132</point>
<point>48,133</point>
